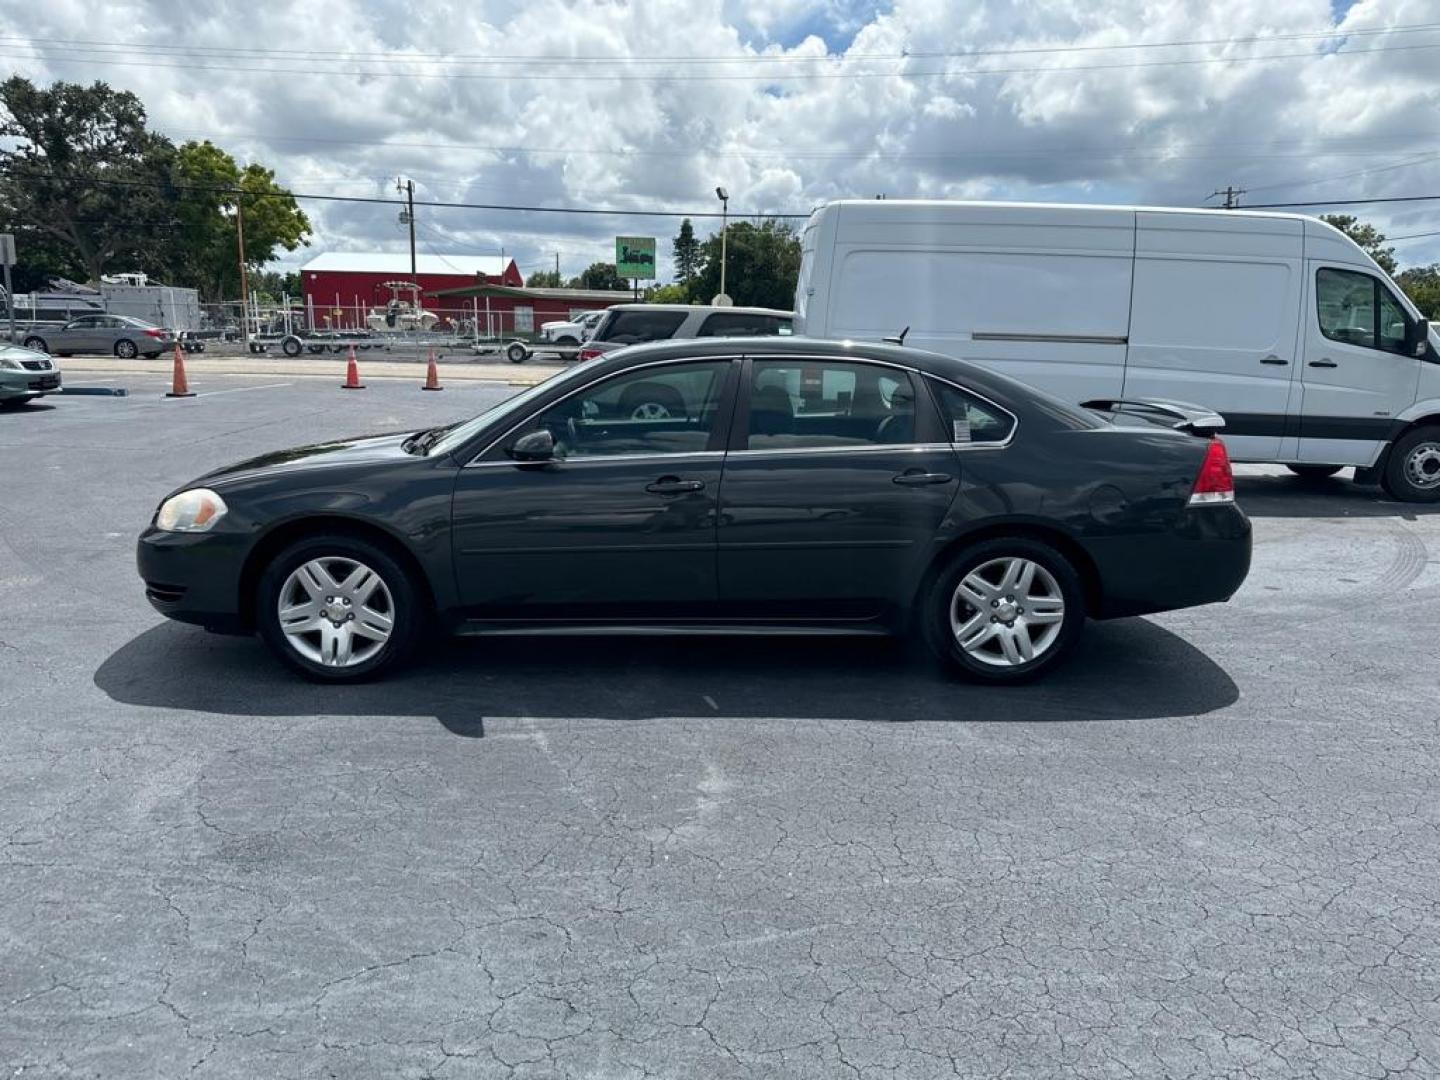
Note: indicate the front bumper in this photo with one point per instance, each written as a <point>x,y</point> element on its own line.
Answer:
<point>1203,561</point>
<point>194,577</point>
<point>28,384</point>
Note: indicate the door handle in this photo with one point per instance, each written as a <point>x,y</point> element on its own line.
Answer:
<point>1273,359</point>
<point>673,485</point>
<point>918,478</point>
<point>1323,363</point>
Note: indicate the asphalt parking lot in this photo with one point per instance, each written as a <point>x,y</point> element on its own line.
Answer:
<point>1208,847</point>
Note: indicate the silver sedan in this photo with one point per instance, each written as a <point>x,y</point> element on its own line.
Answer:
<point>117,335</point>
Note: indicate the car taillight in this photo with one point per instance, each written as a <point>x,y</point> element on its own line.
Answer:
<point>155,333</point>
<point>1216,483</point>
<point>590,354</point>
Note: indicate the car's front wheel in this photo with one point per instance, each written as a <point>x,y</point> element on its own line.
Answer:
<point>1004,611</point>
<point>34,341</point>
<point>339,609</point>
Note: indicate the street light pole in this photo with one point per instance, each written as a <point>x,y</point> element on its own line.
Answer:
<point>724,197</point>
<point>244,277</point>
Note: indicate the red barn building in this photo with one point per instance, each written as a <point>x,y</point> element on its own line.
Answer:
<point>353,283</point>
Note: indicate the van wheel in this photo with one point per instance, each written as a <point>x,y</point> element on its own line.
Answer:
<point>338,609</point>
<point>1412,473</point>
<point>1314,472</point>
<point>1004,611</point>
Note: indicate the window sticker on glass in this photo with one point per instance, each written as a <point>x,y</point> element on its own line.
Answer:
<point>960,427</point>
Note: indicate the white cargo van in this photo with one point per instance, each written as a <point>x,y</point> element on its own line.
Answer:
<point>1279,322</point>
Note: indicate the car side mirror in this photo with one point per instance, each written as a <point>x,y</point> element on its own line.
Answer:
<point>534,446</point>
<point>1419,337</point>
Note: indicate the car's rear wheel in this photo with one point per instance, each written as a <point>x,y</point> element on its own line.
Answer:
<point>1412,473</point>
<point>1005,610</point>
<point>1314,472</point>
<point>339,609</point>
<point>125,349</point>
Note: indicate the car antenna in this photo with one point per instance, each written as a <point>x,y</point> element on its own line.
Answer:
<point>898,339</point>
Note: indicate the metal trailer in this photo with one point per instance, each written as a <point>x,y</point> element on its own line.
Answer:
<point>316,342</point>
<point>518,352</point>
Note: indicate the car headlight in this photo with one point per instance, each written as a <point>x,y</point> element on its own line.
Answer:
<point>196,510</point>
<point>10,365</point>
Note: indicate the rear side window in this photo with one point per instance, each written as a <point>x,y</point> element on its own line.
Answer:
<point>1356,309</point>
<point>634,327</point>
<point>969,419</point>
<point>741,324</point>
<point>816,404</point>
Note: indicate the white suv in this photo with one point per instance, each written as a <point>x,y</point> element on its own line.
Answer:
<point>632,324</point>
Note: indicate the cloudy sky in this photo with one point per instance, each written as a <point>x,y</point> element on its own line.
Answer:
<point>648,104</point>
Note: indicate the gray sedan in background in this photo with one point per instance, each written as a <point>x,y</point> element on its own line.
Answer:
<point>118,335</point>
<point>26,374</point>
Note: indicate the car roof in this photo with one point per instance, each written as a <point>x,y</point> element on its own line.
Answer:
<point>702,307</point>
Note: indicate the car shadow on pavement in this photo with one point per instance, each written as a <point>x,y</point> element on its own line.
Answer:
<point>1126,670</point>
<point>1333,497</point>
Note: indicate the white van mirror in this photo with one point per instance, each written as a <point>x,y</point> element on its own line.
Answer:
<point>1419,337</point>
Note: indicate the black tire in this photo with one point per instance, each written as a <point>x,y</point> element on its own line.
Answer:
<point>517,353</point>
<point>316,348</point>
<point>1412,472</point>
<point>650,395</point>
<point>1314,472</point>
<point>935,609</point>
<point>36,342</point>
<point>567,340</point>
<point>408,607</point>
<point>291,346</point>
<point>125,349</point>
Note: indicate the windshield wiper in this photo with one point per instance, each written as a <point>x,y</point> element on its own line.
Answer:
<point>421,442</point>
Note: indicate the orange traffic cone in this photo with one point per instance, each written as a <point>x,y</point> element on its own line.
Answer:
<point>179,387</point>
<point>432,375</point>
<point>352,373</point>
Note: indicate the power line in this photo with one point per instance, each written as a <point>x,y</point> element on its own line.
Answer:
<point>1424,159</point>
<point>944,73</point>
<point>150,48</point>
<point>1342,202</point>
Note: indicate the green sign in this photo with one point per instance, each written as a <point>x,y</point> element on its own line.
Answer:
<point>635,257</point>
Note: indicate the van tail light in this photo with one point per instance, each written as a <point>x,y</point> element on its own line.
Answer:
<point>590,354</point>
<point>1216,483</point>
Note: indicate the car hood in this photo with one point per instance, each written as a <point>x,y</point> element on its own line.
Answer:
<point>365,449</point>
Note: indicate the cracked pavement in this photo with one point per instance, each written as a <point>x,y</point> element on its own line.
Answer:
<point>1206,848</point>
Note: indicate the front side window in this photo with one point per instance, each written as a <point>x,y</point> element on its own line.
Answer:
<point>85,322</point>
<point>1356,309</point>
<point>634,327</point>
<point>970,420</point>
<point>740,324</point>
<point>661,410</point>
<point>800,404</point>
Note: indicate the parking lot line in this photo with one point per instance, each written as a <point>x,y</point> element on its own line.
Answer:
<point>239,390</point>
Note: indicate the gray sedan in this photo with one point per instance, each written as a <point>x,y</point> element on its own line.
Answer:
<point>26,375</point>
<point>119,335</point>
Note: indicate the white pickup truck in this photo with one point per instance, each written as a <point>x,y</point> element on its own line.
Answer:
<point>571,333</point>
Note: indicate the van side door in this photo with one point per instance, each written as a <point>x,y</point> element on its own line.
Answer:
<point>1357,377</point>
<point>1215,322</point>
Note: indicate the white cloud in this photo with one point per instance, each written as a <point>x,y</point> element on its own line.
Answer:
<point>332,97</point>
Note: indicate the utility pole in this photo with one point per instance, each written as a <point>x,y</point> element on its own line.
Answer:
<point>1232,196</point>
<point>724,197</point>
<point>407,185</point>
<point>557,268</point>
<point>244,278</point>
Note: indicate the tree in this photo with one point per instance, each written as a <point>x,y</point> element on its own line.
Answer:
<point>667,294</point>
<point>1422,285</point>
<point>270,286</point>
<point>544,279</point>
<point>87,181</point>
<point>209,185</point>
<point>764,265</point>
<point>600,275</point>
<point>1370,239</point>
<point>687,255</point>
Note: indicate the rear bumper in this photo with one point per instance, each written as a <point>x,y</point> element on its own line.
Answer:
<point>194,577</point>
<point>1203,561</point>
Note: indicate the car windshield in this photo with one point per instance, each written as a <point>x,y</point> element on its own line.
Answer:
<point>462,433</point>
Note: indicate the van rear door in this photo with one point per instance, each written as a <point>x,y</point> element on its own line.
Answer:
<point>1215,320</point>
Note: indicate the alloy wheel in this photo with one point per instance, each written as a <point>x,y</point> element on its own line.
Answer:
<point>336,612</point>
<point>1007,612</point>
